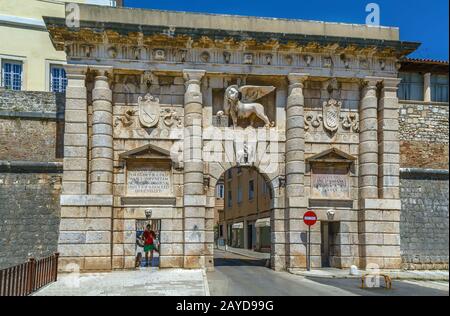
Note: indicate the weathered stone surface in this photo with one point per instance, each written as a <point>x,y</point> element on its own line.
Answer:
<point>424,220</point>
<point>28,207</point>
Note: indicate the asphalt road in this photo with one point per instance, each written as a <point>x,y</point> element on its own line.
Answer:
<point>235,275</point>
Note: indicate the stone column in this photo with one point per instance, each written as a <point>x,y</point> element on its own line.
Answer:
<point>194,192</point>
<point>76,132</point>
<point>379,221</point>
<point>388,141</point>
<point>368,140</point>
<point>85,228</point>
<point>101,172</point>
<point>368,167</point>
<point>296,203</point>
<point>427,87</point>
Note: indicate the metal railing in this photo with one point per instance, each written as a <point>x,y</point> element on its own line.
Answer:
<point>28,277</point>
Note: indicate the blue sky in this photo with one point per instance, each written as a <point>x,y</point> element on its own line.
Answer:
<point>424,21</point>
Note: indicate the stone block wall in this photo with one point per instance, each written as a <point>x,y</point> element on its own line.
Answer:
<point>31,128</point>
<point>424,132</point>
<point>31,101</point>
<point>424,224</point>
<point>29,216</point>
<point>30,176</point>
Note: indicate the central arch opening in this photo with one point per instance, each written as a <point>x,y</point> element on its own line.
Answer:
<point>243,211</point>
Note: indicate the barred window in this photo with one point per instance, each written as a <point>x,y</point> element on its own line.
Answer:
<point>439,88</point>
<point>58,79</point>
<point>411,86</point>
<point>12,75</point>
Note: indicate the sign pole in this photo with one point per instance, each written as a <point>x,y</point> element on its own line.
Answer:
<point>309,248</point>
<point>310,219</point>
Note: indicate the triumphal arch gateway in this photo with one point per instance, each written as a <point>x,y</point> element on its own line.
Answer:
<point>160,104</point>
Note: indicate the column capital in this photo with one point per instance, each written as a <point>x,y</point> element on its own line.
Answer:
<point>102,71</point>
<point>297,78</point>
<point>76,71</point>
<point>391,83</point>
<point>193,75</point>
<point>370,82</point>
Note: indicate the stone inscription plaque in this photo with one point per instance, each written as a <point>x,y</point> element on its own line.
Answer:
<point>149,181</point>
<point>330,185</point>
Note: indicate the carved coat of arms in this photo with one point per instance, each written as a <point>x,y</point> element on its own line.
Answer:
<point>331,115</point>
<point>149,110</point>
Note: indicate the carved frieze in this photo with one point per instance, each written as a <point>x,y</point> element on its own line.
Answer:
<point>226,54</point>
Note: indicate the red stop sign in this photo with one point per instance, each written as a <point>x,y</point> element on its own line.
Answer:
<point>310,218</point>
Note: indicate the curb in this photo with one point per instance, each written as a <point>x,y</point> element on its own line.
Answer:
<point>243,255</point>
<point>394,276</point>
<point>205,281</point>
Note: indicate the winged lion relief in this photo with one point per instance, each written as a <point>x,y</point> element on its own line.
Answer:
<point>239,103</point>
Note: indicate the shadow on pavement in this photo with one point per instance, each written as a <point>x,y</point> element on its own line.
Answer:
<point>399,288</point>
<point>232,262</point>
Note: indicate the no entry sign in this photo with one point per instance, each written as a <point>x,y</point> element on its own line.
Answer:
<point>310,218</point>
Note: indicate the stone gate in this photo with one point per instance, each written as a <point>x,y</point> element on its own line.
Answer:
<point>160,104</point>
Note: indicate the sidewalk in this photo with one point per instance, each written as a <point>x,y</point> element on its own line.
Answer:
<point>398,275</point>
<point>144,282</point>
<point>246,252</point>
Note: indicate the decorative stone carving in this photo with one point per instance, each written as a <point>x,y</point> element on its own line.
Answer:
<point>136,52</point>
<point>289,59</point>
<point>248,58</point>
<point>204,57</point>
<point>112,52</point>
<point>149,110</point>
<point>87,50</point>
<point>308,59</point>
<point>334,88</point>
<point>159,54</point>
<point>345,61</point>
<point>350,122</point>
<point>312,120</point>
<point>244,154</point>
<point>183,55</point>
<point>364,63</point>
<point>382,64</point>
<point>147,78</point>
<point>171,118</point>
<point>239,103</point>
<point>227,57</point>
<point>331,115</point>
<point>127,121</point>
<point>269,59</point>
<point>327,62</point>
<point>170,32</point>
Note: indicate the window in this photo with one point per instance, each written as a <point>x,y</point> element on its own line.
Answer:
<point>239,193</point>
<point>251,190</point>
<point>220,191</point>
<point>229,174</point>
<point>12,74</point>
<point>230,199</point>
<point>439,88</point>
<point>411,86</point>
<point>58,79</point>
